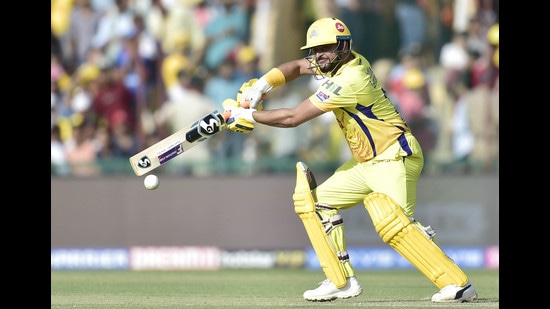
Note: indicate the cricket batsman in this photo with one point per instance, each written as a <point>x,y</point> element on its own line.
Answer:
<point>382,174</point>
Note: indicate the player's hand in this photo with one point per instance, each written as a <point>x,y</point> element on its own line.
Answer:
<point>253,92</point>
<point>244,87</point>
<point>238,119</point>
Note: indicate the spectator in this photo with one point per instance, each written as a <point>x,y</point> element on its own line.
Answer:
<point>454,59</point>
<point>122,138</point>
<point>219,87</point>
<point>56,47</point>
<point>83,148</point>
<point>204,12</point>
<point>413,99</point>
<point>414,104</point>
<point>137,64</point>
<point>115,23</point>
<point>147,53</point>
<point>59,164</point>
<point>476,40</point>
<point>155,21</point>
<point>494,46</point>
<point>382,68</point>
<point>84,87</point>
<point>247,63</point>
<point>60,81</point>
<point>175,62</point>
<point>445,20</point>
<point>83,27</point>
<point>112,104</point>
<point>480,103</point>
<point>179,22</point>
<point>462,141</point>
<point>396,74</point>
<point>412,22</point>
<point>224,83</point>
<point>60,21</point>
<point>225,33</point>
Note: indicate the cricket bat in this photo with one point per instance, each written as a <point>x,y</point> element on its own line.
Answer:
<point>177,143</point>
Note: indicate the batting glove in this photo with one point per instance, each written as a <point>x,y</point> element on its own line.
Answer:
<point>238,119</point>
<point>253,92</point>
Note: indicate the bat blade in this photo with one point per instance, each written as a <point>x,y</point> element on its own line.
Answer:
<point>177,143</point>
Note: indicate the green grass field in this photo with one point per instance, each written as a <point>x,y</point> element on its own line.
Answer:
<point>251,288</point>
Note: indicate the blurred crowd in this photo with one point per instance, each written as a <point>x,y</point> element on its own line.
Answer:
<point>127,73</point>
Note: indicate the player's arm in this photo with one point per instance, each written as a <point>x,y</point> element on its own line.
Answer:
<point>242,120</point>
<point>294,69</point>
<point>287,117</point>
<point>275,77</point>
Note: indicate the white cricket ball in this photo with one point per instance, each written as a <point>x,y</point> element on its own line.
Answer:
<point>151,182</point>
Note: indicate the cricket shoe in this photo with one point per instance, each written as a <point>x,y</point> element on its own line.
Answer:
<point>327,291</point>
<point>455,294</point>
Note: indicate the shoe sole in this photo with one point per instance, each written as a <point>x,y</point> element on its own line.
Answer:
<point>321,299</point>
<point>461,299</point>
<point>465,300</point>
<point>333,297</point>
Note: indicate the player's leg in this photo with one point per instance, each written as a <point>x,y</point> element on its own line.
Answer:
<point>304,206</point>
<point>325,229</point>
<point>455,291</point>
<point>398,228</point>
<point>413,243</point>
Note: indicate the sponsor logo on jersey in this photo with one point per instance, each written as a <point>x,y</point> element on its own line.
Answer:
<point>332,87</point>
<point>322,96</point>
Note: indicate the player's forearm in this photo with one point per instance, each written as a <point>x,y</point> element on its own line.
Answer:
<point>256,90</point>
<point>294,69</point>
<point>282,118</point>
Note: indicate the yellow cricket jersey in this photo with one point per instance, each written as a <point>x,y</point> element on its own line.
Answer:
<point>367,117</point>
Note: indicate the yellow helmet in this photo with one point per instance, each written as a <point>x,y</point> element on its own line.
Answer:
<point>326,31</point>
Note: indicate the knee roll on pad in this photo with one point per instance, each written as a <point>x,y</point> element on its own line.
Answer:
<point>407,238</point>
<point>304,206</point>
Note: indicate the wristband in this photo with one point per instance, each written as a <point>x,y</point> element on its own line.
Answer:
<point>275,77</point>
